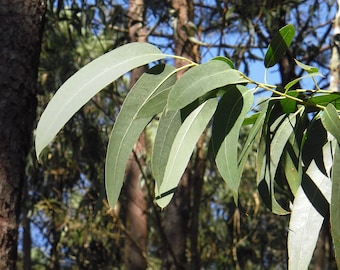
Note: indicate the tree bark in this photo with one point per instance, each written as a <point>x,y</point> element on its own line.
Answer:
<point>176,222</point>
<point>136,219</point>
<point>21,23</point>
<point>335,59</point>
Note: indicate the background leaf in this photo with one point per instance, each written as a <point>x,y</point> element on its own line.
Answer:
<point>128,126</point>
<point>182,148</point>
<point>279,45</point>
<point>87,82</point>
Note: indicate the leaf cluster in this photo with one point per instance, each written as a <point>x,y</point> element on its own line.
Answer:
<point>298,131</point>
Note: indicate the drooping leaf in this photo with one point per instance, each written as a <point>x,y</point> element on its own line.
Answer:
<point>231,111</point>
<point>182,148</point>
<point>293,164</point>
<point>331,121</point>
<point>335,202</point>
<point>86,83</point>
<point>128,126</point>
<point>255,129</point>
<point>200,80</point>
<point>279,45</point>
<point>168,126</point>
<point>310,206</point>
<point>272,143</point>
<point>289,85</point>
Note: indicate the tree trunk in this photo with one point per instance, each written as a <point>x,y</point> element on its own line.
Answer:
<point>335,59</point>
<point>21,24</point>
<point>176,222</point>
<point>136,219</point>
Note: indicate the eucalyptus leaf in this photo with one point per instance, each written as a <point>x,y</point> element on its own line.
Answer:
<point>272,143</point>
<point>255,130</point>
<point>128,126</point>
<point>335,202</point>
<point>289,105</point>
<point>169,124</point>
<point>86,83</point>
<point>308,212</point>
<point>292,164</point>
<point>324,99</point>
<point>307,68</point>
<point>182,148</point>
<point>201,79</point>
<point>331,121</point>
<point>228,119</point>
<point>155,103</point>
<point>289,85</point>
<point>279,45</point>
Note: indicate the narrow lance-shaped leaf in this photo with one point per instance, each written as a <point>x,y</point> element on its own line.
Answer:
<point>292,164</point>
<point>231,111</point>
<point>255,129</point>
<point>169,124</point>
<point>335,202</point>
<point>86,83</point>
<point>309,209</point>
<point>307,68</point>
<point>325,99</point>
<point>279,45</point>
<point>128,126</point>
<point>331,122</point>
<point>200,80</point>
<point>182,148</point>
<point>271,147</point>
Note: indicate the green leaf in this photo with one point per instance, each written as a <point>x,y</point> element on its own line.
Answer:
<point>182,148</point>
<point>324,99</point>
<point>293,164</point>
<point>87,82</point>
<point>128,126</point>
<point>168,126</point>
<point>225,59</point>
<point>335,202</point>
<point>201,79</point>
<point>251,119</point>
<point>309,207</point>
<point>331,122</point>
<point>255,129</point>
<point>272,143</point>
<point>155,103</point>
<point>307,68</point>
<point>289,85</point>
<point>289,105</point>
<point>279,45</point>
<point>228,119</point>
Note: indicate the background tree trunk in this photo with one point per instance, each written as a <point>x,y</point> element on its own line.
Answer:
<point>20,40</point>
<point>136,218</point>
<point>178,212</point>
<point>335,59</point>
